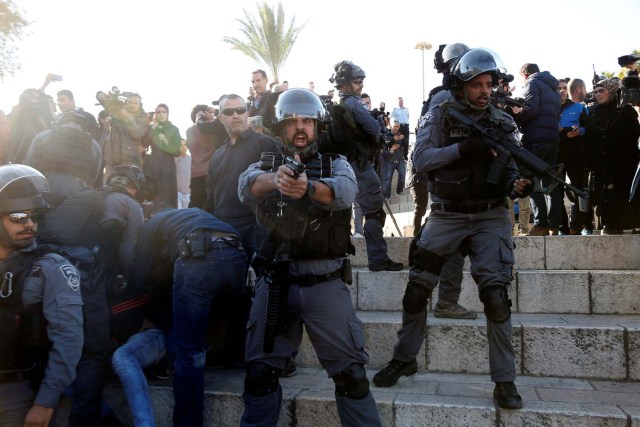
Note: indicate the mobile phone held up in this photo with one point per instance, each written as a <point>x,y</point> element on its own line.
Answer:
<point>56,78</point>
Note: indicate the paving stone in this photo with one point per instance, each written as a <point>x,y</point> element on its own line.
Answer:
<point>593,252</point>
<point>424,410</point>
<point>634,353</point>
<point>381,290</point>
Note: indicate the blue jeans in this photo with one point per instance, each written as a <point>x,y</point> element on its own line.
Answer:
<point>196,282</point>
<point>390,168</point>
<point>141,351</point>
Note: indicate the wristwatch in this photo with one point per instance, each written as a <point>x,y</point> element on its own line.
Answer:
<point>311,190</point>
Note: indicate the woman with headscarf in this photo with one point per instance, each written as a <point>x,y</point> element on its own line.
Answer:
<point>159,165</point>
<point>612,138</point>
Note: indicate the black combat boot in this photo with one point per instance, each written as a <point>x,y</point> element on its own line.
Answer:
<point>506,394</point>
<point>391,373</point>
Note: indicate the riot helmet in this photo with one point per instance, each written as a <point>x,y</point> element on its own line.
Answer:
<point>295,103</point>
<point>475,62</point>
<point>346,72</point>
<point>452,52</point>
<point>130,176</point>
<point>22,188</point>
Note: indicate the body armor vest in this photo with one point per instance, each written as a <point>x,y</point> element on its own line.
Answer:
<point>462,180</point>
<point>23,333</point>
<point>309,232</point>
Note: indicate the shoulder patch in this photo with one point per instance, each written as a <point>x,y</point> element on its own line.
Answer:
<point>425,119</point>
<point>71,276</point>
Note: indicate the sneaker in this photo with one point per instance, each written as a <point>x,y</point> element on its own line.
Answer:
<point>358,235</point>
<point>387,265</point>
<point>538,231</point>
<point>506,395</point>
<point>586,232</point>
<point>395,369</point>
<point>453,310</point>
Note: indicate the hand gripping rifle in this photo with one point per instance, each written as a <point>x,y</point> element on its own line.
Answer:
<point>507,149</point>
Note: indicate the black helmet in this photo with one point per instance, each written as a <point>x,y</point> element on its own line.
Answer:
<point>129,175</point>
<point>22,188</point>
<point>475,62</point>
<point>452,52</point>
<point>299,102</point>
<point>345,72</point>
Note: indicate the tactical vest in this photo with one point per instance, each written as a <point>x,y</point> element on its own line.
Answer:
<point>307,231</point>
<point>463,180</point>
<point>23,336</point>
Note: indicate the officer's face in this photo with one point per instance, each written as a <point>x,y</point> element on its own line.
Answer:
<point>20,235</point>
<point>356,86</point>
<point>300,131</point>
<point>478,90</point>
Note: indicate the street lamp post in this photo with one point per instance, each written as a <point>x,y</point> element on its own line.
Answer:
<point>423,46</point>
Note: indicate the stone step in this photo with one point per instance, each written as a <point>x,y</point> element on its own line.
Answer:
<point>422,399</point>
<point>562,345</point>
<point>620,252</point>
<point>532,291</point>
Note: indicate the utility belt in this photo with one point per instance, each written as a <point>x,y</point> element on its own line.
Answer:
<point>16,376</point>
<point>466,208</point>
<point>344,273</point>
<point>195,244</point>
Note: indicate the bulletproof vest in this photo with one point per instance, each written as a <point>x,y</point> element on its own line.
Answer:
<point>307,231</point>
<point>73,230</point>
<point>23,333</point>
<point>343,135</point>
<point>462,180</point>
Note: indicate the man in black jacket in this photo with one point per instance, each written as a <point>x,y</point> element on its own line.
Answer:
<point>539,126</point>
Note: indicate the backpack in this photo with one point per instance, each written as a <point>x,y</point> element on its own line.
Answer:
<point>73,230</point>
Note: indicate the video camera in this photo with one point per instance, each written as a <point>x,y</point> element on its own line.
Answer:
<point>377,114</point>
<point>113,100</point>
<point>630,90</point>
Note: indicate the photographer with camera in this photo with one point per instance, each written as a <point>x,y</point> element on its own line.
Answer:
<point>129,125</point>
<point>400,114</point>
<point>393,158</point>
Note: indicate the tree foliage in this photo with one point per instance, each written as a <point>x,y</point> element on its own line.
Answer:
<point>12,26</point>
<point>268,38</point>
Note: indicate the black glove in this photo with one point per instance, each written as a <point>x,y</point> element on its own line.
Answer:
<point>475,149</point>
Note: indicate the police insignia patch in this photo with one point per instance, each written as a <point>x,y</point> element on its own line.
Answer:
<point>35,271</point>
<point>424,119</point>
<point>71,276</point>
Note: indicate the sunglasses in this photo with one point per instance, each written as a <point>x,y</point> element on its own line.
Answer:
<point>600,90</point>
<point>229,111</point>
<point>358,82</point>
<point>24,217</point>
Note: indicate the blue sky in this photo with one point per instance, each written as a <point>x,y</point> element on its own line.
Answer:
<point>172,51</point>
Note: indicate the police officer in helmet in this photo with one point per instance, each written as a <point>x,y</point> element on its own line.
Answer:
<point>361,133</point>
<point>310,267</point>
<point>468,213</point>
<point>40,306</point>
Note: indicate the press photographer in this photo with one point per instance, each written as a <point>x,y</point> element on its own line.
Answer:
<point>129,125</point>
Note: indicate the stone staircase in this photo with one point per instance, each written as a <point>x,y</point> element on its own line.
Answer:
<point>576,331</point>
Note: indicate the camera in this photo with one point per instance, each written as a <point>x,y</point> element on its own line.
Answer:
<point>114,100</point>
<point>630,90</point>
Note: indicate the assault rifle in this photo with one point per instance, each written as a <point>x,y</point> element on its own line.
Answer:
<point>507,148</point>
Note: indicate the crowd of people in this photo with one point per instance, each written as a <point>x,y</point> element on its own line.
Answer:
<point>121,243</point>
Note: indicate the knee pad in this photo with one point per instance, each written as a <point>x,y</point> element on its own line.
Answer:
<point>352,382</point>
<point>378,216</point>
<point>497,305</point>
<point>428,261</point>
<point>261,379</point>
<point>415,297</point>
